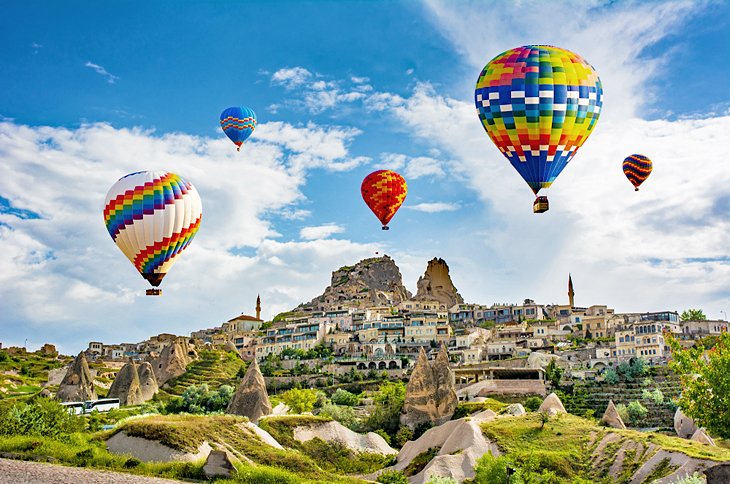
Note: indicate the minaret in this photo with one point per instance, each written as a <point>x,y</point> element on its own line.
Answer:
<point>570,291</point>
<point>258,306</point>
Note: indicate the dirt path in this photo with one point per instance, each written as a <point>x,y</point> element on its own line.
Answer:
<point>22,472</point>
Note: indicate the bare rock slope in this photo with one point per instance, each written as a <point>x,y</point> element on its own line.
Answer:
<point>436,284</point>
<point>78,384</point>
<point>430,393</point>
<point>251,399</point>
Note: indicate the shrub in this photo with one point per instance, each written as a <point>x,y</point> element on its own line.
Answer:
<point>491,470</point>
<point>636,412</point>
<point>655,396</point>
<point>610,377</point>
<point>404,435</point>
<point>387,405</point>
<point>392,477</point>
<point>384,435</point>
<point>199,399</point>
<point>695,478</point>
<point>532,404</point>
<point>622,412</point>
<point>43,417</point>
<point>440,480</point>
<point>344,415</point>
<point>343,397</point>
<point>300,400</point>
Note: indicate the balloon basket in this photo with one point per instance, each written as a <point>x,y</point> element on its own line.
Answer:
<point>541,205</point>
<point>153,292</point>
<point>385,227</point>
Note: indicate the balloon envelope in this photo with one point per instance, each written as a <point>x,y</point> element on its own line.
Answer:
<point>152,216</point>
<point>637,168</point>
<point>538,105</point>
<point>384,192</point>
<point>238,123</point>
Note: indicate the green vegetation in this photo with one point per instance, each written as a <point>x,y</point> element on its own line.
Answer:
<point>553,373</point>
<point>392,477</point>
<point>703,372</point>
<point>343,397</point>
<point>420,461</point>
<point>467,408</point>
<point>300,400</point>
<point>43,417</point>
<point>532,404</point>
<point>343,414</point>
<point>214,368</point>
<point>693,315</point>
<point>23,373</point>
<point>198,399</point>
<point>387,405</point>
<point>319,351</point>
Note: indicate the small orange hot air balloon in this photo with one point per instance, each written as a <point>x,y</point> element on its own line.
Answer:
<point>384,192</point>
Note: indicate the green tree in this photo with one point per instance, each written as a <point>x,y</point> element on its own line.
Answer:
<point>491,470</point>
<point>532,403</point>
<point>392,477</point>
<point>43,417</point>
<point>343,397</point>
<point>553,373</point>
<point>610,377</point>
<point>703,373</point>
<point>636,411</point>
<point>344,415</point>
<point>693,315</point>
<point>387,405</point>
<point>300,400</point>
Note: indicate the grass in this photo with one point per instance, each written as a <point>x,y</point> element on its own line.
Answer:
<point>22,374</point>
<point>420,461</point>
<point>214,367</point>
<point>468,408</point>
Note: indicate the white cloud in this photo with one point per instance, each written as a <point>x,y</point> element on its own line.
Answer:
<point>291,77</point>
<point>414,167</point>
<point>359,80</point>
<point>61,275</point>
<point>110,78</point>
<point>434,207</point>
<point>320,231</point>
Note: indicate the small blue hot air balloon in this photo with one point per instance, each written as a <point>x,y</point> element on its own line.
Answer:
<point>238,124</point>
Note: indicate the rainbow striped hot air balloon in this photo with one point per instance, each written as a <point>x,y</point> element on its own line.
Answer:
<point>538,104</point>
<point>384,192</point>
<point>637,168</point>
<point>238,123</point>
<point>152,216</point>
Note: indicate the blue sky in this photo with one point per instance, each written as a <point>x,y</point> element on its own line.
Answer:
<point>97,90</point>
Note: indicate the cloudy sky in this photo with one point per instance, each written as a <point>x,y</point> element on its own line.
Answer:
<point>92,92</point>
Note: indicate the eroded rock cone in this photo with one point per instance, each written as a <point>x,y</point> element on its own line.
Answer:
<point>147,381</point>
<point>77,385</point>
<point>126,386</point>
<point>436,284</point>
<point>552,405</point>
<point>251,399</point>
<point>701,436</point>
<point>446,399</point>
<point>683,425</point>
<point>611,417</point>
<point>173,360</point>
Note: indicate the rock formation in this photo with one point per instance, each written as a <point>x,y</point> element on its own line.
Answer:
<point>701,436</point>
<point>683,425</point>
<point>370,282</point>
<point>251,399</point>
<point>335,431</point>
<point>78,384</point>
<point>515,409</point>
<point>611,417</point>
<point>218,464</point>
<point>435,284</point>
<point>430,393</point>
<point>552,405</point>
<point>147,381</point>
<point>173,360</point>
<point>126,386</point>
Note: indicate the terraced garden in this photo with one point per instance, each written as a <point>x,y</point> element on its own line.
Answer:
<point>213,367</point>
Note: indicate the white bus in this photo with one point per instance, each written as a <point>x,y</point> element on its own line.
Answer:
<point>101,405</point>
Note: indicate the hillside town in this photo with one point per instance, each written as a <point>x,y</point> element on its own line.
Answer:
<point>368,320</point>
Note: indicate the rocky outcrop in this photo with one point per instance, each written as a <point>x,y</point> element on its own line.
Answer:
<point>251,399</point>
<point>611,418</point>
<point>335,431</point>
<point>459,442</point>
<point>552,405</point>
<point>435,284</point>
<point>683,425</point>
<point>370,282</point>
<point>126,386</point>
<point>218,464</point>
<point>537,359</point>
<point>430,393</point>
<point>515,409</point>
<point>151,450</point>
<point>147,381</point>
<point>701,436</point>
<point>78,384</point>
<point>173,360</point>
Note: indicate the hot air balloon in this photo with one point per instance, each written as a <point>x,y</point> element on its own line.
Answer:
<point>152,216</point>
<point>384,192</point>
<point>238,124</point>
<point>637,168</point>
<point>538,104</point>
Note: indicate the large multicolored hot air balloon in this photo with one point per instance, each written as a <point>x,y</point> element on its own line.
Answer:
<point>637,168</point>
<point>152,216</point>
<point>238,124</point>
<point>538,104</point>
<point>384,192</point>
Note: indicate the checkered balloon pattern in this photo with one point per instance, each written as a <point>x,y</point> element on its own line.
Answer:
<point>238,124</point>
<point>637,168</point>
<point>538,105</point>
<point>384,192</point>
<point>152,216</point>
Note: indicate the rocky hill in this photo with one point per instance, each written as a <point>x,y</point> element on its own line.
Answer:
<point>435,284</point>
<point>371,282</point>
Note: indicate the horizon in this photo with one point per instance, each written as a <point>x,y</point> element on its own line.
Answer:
<point>85,102</point>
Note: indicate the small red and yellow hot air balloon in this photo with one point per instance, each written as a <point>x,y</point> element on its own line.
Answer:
<point>384,192</point>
